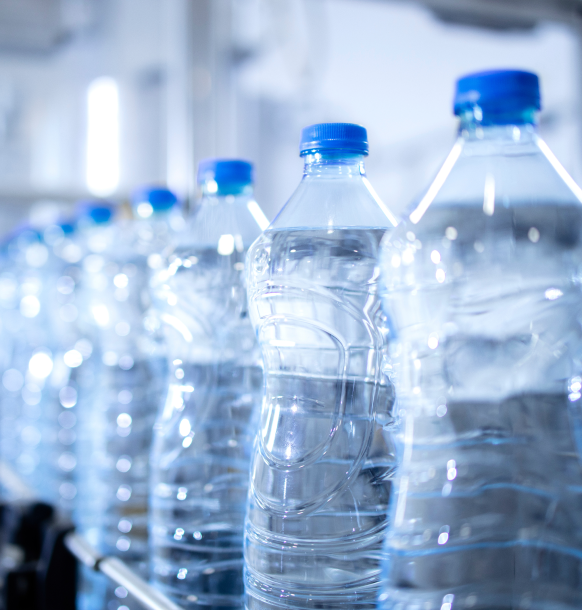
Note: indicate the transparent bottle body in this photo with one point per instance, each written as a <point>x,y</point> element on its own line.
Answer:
<point>204,430</point>
<point>38,436</point>
<point>21,429</point>
<point>9,407</point>
<point>483,296</point>
<point>323,457</point>
<point>117,409</point>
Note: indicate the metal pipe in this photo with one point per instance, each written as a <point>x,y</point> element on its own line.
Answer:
<point>119,573</point>
<point>82,550</point>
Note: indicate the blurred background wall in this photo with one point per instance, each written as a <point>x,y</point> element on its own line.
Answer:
<point>100,96</point>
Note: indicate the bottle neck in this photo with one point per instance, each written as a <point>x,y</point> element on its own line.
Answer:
<point>214,190</point>
<point>477,124</point>
<point>145,211</point>
<point>333,165</point>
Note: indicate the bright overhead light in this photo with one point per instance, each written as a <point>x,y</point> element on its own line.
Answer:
<point>102,171</point>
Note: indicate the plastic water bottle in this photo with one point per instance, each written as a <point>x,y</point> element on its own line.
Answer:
<point>37,436</point>
<point>205,430</point>
<point>14,360</point>
<point>8,304</point>
<point>323,459</point>
<point>94,238</point>
<point>27,359</point>
<point>483,291</point>
<point>66,351</point>
<point>116,421</point>
<point>94,235</point>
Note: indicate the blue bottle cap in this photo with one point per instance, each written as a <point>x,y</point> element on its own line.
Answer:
<point>161,199</point>
<point>67,226</point>
<point>498,91</point>
<point>225,172</point>
<point>345,137</point>
<point>98,211</point>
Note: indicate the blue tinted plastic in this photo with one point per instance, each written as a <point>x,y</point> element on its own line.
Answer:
<point>501,95</point>
<point>481,283</point>
<point>98,211</point>
<point>36,307</point>
<point>345,137</point>
<point>161,199</point>
<point>226,174</point>
<point>117,407</point>
<point>320,473</point>
<point>205,428</point>
<point>68,227</point>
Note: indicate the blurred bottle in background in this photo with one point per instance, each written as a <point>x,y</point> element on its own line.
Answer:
<point>483,288</point>
<point>322,463</point>
<point>27,356</point>
<point>95,234</point>
<point>39,340</point>
<point>204,432</point>
<point>116,420</point>
<point>67,349</point>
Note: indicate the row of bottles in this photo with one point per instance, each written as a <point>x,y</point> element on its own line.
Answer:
<point>38,343</point>
<point>116,421</point>
<point>334,410</point>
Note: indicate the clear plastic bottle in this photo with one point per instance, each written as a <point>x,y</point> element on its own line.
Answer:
<point>8,315</point>
<point>96,232</point>
<point>205,430</point>
<point>28,359</point>
<point>116,421</point>
<point>483,291</point>
<point>323,459</point>
<point>67,350</point>
<point>36,449</point>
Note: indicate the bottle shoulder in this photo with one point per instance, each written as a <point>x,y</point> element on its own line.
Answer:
<point>493,176</point>
<point>326,203</point>
<point>210,223</point>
